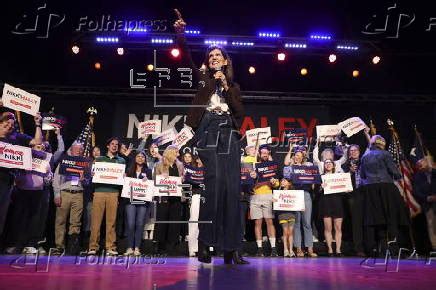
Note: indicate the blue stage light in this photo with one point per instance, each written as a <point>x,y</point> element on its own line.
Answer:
<point>347,47</point>
<point>107,39</point>
<point>320,37</point>
<point>161,40</point>
<point>215,42</point>
<point>296,45</point>
<point>242,43</point>
<point>269,34</point>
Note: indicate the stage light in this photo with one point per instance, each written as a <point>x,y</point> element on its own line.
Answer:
<point>281,56</point>
<point>251,70</point>
<point>296,45</point>
<point>215,42</point>
<point>161,40</point>
<point>332,58</point>
<point>120,51</point>
<point>376,59</point>
<point>75,49</point>
<point>303,71</point>
<point>150,67</point>
<point>175,52</point>
<point>347,47</point>
<point>192,32</point>
<point>107,39</point>
<point>239,43</point>
<point>320,37</point>
<point>269,34</point>
<point>139,30</point>
<point>356,73</point>
<point>97,66</point>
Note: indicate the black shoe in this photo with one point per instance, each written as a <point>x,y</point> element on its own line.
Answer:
<point>259,252</point>
<point>203,253</point>
<point>73,244</point>
<point>361,254</point>
<point>339,255</point>
<point>274,252</point>
<point>233,256</point>
<point>330,255</point>
<point>58,252</point>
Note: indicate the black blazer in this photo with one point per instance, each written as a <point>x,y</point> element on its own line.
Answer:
<point>206,88</point>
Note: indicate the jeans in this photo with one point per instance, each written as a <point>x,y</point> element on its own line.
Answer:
<point>305,219</point>
<point>135,220</point>
<point>219,149</point>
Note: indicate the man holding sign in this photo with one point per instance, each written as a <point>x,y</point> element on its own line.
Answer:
<point>68,198</point>
<point>261,202</point>
<point>106,200</point>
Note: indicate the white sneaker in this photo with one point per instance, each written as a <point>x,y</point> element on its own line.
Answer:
<point>92,252</point>
<point>137,252</point>
<point>192,254</point>
<point>42,251</point>
<point>30,250</point>
<point>286,254</point>
<point>112,253</point>
<point>129,252</point>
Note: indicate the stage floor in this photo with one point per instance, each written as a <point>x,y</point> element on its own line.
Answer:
<point>80,273</point>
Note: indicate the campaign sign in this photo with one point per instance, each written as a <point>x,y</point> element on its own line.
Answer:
<point>352,126</point>
<point>109,173</point>
<point>40,161</point>
<point>138,189</point>
<point>327,130</point>
<point>52,122</point>
<point>302,174</point>
<point>266,170</point>
<point>183,137</point>
<point>168,186</point>
<point>296,136</point>
<point>75,166</point>
<point>20,100</point>
<point>150,127</point>
<point>194,175</point>
<point>14,156</point>
<point>166,136</point>
<point>258,136</point>
<point>246,168</point>
<point>337,182</point>
<point>288,200</point>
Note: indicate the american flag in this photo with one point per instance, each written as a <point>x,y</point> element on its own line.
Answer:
<point>85,138</point>
<point>404,184</point>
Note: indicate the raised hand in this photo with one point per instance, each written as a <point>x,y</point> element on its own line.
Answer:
<point>179,24</point>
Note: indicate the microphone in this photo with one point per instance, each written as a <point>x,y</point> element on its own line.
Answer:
<point>219,82</point>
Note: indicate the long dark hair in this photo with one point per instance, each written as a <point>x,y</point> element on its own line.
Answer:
<point>227,69</point>
<point>131,171</point>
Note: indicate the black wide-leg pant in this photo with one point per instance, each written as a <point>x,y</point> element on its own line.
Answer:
<point>218,146</point>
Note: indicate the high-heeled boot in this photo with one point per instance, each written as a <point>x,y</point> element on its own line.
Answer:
<point>233,256</point>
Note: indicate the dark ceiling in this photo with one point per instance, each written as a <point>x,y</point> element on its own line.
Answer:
<point>407,49</point>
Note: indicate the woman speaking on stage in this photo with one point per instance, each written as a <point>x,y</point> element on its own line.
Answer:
<point>215,116</point>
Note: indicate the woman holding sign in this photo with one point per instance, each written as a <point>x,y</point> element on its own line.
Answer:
<point>303,218</point>
<point>168,208</point>
<point>135,213</point>
<point>332,211</point>
<point>216,116</point>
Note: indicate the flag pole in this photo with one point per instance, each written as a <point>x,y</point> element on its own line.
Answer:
<point>412,213</point>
